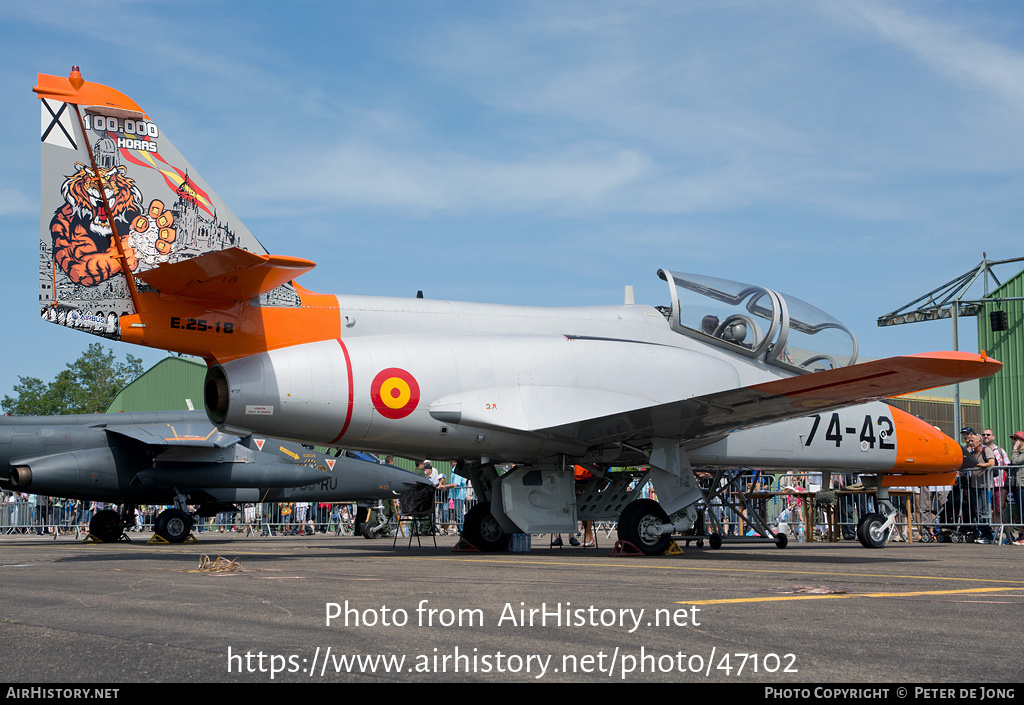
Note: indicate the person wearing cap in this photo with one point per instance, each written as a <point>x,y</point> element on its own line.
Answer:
<point>961,487</point>
<point>1017,452</point>
<point>965,433</point>
<point>428,472</point>
<point>1015,499</point>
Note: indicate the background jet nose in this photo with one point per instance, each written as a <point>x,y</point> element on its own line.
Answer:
<point>399,480</point>
<point>969,460</point>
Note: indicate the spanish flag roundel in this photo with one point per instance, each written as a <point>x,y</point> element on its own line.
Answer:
<point>394,393</point>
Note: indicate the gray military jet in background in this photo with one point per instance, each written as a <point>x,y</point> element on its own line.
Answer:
<point>176,458</point>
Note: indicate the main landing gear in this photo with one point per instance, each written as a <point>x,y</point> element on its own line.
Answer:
<point>642,523</point>
<point>106,525</point>
<point>173,525</point>
<point>480,528</point>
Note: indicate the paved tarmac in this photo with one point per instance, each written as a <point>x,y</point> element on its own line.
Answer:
<point>811,613</point>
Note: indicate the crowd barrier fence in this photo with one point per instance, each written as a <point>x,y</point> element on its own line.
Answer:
<point>982,504</point>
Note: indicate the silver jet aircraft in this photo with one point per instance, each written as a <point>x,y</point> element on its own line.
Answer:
<point>542,389</point>
<point>176,458</point>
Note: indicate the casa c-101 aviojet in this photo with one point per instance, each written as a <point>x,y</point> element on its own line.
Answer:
<point>724,374</point>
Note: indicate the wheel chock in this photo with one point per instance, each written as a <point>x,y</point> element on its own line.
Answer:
<point>625,548</point>
<point>90,538</point>
<point>160,539</point>
<point>673,550</point>
<point>464,546</point>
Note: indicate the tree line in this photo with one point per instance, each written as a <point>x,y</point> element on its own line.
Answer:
<point>86,386</point>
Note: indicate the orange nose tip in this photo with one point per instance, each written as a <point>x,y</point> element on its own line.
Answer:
<point>921,448</point>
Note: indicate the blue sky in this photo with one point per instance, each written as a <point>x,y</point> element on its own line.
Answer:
<point>854,154</point>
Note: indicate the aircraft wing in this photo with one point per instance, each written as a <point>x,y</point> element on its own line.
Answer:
<point>734,409</point>
<point>184,434</point>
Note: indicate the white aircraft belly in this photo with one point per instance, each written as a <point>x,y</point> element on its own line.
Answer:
<point>858,438</point>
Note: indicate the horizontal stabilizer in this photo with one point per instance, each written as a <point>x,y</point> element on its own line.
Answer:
<point>225,275</point>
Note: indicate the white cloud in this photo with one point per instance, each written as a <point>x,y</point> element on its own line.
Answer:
<point>950,51</point>
<point>358,175</point>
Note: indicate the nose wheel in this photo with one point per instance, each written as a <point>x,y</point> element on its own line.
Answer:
<point>873,530</point>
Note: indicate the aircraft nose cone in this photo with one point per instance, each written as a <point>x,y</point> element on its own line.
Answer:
<point>922,448</point>
<point>400,480</point>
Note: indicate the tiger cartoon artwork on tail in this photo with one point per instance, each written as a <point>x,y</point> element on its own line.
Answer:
<point>81,228</point>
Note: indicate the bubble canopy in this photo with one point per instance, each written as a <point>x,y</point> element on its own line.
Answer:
<point>758,322</point>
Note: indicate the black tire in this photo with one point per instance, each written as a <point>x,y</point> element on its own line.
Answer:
<point>173,526</point>
<point>368,530</point>
<point>781,540</point>
<point>481,529</point>
<point>362,516</point>
<point>869,531</point>
<point>633,521</point>
<point>715,541</point>
<point>106,525</point>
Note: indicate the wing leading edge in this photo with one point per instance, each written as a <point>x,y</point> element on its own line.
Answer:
<point>734,409</point>
<point>177,435</point>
